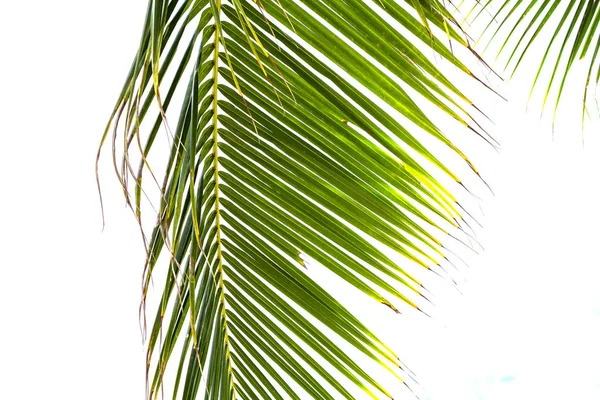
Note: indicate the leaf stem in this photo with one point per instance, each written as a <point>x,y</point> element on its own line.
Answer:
<point>217,206</point>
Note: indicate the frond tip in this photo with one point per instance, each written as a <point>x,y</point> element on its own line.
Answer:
<point>567,30</point>
<point>283,149</point>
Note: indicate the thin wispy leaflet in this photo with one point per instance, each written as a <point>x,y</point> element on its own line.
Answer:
<point>297,136</point>
<point>566,31</point>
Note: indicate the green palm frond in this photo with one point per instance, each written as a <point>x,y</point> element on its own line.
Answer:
<point>295,137</point>
<point>568,28</point>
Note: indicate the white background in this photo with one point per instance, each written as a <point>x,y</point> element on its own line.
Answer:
<point>526,326</point>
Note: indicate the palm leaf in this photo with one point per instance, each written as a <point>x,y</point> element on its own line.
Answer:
<point>567,28</point>
<point>290,142</point>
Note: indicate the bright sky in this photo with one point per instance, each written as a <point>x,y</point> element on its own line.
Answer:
<point>526,326</point>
